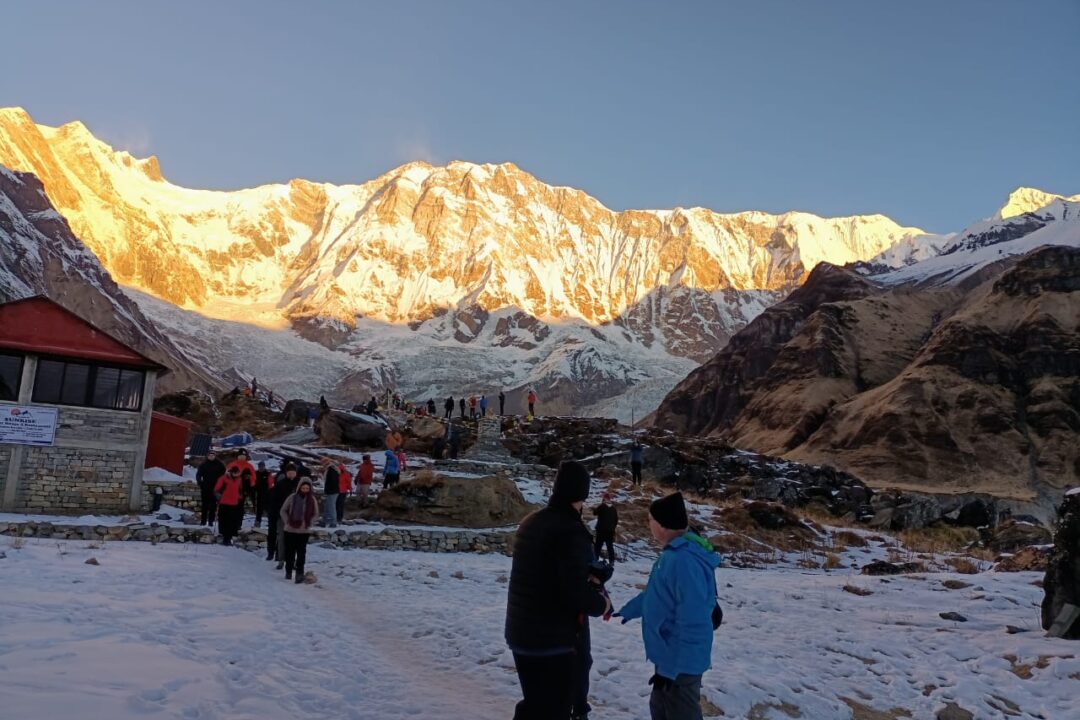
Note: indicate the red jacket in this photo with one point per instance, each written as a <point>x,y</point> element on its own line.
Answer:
<point>344,480</point>
<point>243,465</point>
<point>230,490</point>
<point>367,473</point>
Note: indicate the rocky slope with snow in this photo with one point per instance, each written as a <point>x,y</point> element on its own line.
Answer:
<point>39,255</point>
<point>530,284</point>
<point>955,374</point>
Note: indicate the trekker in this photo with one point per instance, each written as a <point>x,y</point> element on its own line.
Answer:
<point>331,488</point>
<point>372,405</point>
<point>431,407</point>
<point>549,592</point>
<point>344,488</point>
<point>247,474</point>
<point>364,477</point>
<point>207,476</point>
<point>637,454</point>
<point>607,519</point>
<point>448,407</point>
<point>283,488</point>
<point>676,610</point>
<point>297,514</point>
<point>263,482</point>
<point>502,403</point>
<point>461,404</point>
<point>483,406</point>
<point>531,397</point>
<point>230,496</point>
<point>391,469</point>
<point>402,465</point>
<point>455,444</point>
<point>472,407</point>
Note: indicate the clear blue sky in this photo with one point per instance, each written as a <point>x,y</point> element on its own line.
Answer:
<point>927,111</point>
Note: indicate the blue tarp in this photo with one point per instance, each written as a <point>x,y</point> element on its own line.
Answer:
<point>237,440</point>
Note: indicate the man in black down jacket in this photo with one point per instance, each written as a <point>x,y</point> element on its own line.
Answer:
<point>549,592</point>
<point>207,476</point>
<point>284,487</point>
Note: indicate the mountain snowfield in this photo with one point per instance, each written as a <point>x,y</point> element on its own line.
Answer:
<point>439,280</point>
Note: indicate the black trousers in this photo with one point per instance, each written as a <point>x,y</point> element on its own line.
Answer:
<point>230,518</point>
<point>295,552</point>
<point>607,539</point>
<point>209,506</point>
<point>261,496</point>
<point>547,686</point>
<point>502,407</point>
<point>532,410</point>
<point>449,413</point>
<point>583,666</point>
<point>340,507</point>
<point>635,470</point>
<point>272,521</point>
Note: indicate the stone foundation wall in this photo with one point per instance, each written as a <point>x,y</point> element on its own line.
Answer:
<point>403,538</point>
<point>185,496</point>
<point>522,470</point>
<point>74,481</point>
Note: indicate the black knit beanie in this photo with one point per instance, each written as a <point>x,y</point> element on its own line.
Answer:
<point>670,512</point>
<point>571,483</point>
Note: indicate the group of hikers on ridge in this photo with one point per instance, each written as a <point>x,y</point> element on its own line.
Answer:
<point>476,406</point>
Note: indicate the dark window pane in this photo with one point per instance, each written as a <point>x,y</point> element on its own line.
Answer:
<point>10,376</point>
<point>48,381</point>
<point>76,379</point>
<point>106,384</point>
<point>131,386</point>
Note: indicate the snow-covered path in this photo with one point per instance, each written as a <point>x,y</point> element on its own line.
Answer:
<point>210,633</point>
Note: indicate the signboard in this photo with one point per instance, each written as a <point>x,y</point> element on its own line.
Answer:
<point>25,425</point>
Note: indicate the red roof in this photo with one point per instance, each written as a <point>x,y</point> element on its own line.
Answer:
<point>41,326</point>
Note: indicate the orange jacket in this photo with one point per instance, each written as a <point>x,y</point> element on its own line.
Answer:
<point>230,490</point>
<point>344,480</point>
<point>367,473</point>
<point>243,465</point>
<point>532,397</point>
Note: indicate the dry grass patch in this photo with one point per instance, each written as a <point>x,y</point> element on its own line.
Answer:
<point>939,539</point>
<point>859,711</point>
<point>1025,671</point>
<point>832,562</point>
<point>856,590</point>
<point>964,566</point>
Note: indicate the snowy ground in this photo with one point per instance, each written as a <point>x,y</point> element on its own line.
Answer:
<point>209,633</point>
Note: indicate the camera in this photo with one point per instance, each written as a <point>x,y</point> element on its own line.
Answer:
<point>601,570</point>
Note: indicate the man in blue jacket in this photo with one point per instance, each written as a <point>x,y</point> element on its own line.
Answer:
<point>676,612</point>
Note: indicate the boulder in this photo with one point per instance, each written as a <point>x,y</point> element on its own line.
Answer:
<point>430,498</point>
<point>342,428</point>
<point>881,567</point>
<point>1011,535</point>
<point>1062,581</point>
<point>296,412</point>
<point>772,516</point>
<point>1029,559</point>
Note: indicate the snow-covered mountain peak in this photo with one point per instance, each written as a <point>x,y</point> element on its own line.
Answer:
<point>1025,199</point>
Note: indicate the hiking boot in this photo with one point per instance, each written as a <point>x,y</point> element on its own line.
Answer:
<point>280,565</point>
<point>288,575</point>
<point>299,578</point>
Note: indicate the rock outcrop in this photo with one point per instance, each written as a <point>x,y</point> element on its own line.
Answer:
<point>335,427</point>
<point>1062,581</point>
<point>431,498</point>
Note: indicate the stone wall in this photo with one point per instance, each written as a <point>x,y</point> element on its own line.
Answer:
<point>514,469</point>
<point>185,496</point>
<point>89,424</point>
<point>385,538</point>
<point>74,481</point>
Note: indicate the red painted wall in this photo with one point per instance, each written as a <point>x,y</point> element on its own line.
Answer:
<point>167,443</point>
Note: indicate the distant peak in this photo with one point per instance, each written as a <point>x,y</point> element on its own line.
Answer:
<point>151,168</point>
<point>1025,199</point>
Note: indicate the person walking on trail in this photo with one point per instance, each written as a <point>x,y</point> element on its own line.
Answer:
<point>230,496</point>
<point>448,408</point>
<point>483,405</point>
<point>502,403</point>
<point>550,589</point>
<point>207,476</point>
<point>331,488</point>
<point>431,407</point>
<point>637,455</point>
<point>472,407</point>
<point>247,474</point>
<point>283,488</point>
<point>345,487</point>
<point>263,482</point>
<point>364,477</point>
<point>531,397</point>
<point>677,612</point>
<point>607,519</point>
<point>297,514</point>
<point>391,468</point>
<point>461,404</point>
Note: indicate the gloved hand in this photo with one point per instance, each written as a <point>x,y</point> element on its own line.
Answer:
<point>660,682</point>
